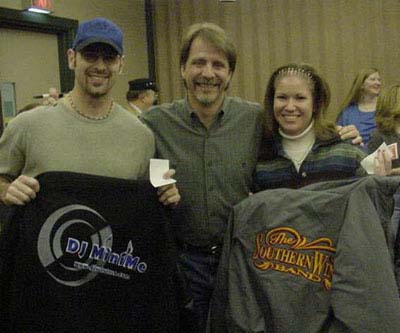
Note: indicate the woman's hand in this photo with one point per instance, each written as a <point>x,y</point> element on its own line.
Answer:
<point>383,163</point>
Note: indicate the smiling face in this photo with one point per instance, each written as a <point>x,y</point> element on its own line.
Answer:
<point>96,67</point>
<point>372,85</point>
<point>206,75</point>
<point>293,104</point>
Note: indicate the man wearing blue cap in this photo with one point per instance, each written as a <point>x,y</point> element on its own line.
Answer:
<point>142,95</point>
<point>87,132</point>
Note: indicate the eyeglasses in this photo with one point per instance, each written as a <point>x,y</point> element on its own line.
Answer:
<point>93,56</point>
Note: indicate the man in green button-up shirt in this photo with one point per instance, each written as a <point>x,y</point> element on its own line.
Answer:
<point>212,141</point>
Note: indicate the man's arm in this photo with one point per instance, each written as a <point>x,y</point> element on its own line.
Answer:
<point>20,191</point>
<point>169,195</point>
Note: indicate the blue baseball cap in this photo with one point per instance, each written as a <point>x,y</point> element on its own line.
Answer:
<point>98,30</point>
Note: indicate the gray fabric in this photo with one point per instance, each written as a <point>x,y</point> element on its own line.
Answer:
<point>354,215</point>
<point>213,166</point>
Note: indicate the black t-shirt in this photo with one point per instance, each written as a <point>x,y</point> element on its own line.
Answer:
<point>88,254</point>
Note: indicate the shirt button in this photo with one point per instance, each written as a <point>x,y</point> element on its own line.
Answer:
<point>304,174</point>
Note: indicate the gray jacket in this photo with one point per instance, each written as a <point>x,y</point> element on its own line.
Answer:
<point>314,259</point>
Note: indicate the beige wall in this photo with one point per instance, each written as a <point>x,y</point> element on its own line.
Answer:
<point>22,62</point>
<point>338,37</point>
<point>128,14</point>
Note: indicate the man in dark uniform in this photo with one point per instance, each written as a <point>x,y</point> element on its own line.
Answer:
<point>142,94</point>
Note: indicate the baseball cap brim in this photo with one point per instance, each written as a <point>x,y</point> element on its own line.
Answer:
<point>97,40</point>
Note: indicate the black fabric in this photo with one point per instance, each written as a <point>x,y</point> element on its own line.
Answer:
<point>31,299</point>
<point>5,212</point>
<point>397,258</point>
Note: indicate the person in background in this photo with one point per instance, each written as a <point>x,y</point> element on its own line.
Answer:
<point>53,92</point>
<point>388,130</point>
<point>387,119</point>
<point>359,106</point>
<point>52,97</point>
<point>142,94</point>
<point>306,148</point>
<point>94,135</point>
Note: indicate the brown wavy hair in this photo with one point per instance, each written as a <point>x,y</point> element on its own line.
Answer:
<point>324,129</point>
<point>387,114</point>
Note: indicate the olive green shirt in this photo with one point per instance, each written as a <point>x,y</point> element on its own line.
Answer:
<point>58,139</point>
<point>213,166</point>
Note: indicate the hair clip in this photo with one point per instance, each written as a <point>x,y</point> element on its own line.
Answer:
<point>290,71</point>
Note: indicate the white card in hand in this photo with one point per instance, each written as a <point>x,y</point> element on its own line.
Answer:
<point>158,168</point>
<point>368,162</point>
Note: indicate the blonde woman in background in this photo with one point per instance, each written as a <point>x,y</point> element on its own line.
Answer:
<point>359,106</point>
<point>387,122</point>
<point>388,131</point>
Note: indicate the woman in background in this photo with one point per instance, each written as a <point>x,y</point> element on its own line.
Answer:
<point>306,148</point>
<point>359,106</point>
<point>388,123</point>
<point>388,131</point>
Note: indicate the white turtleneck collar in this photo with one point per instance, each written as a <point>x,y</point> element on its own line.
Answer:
<point>297,147</point>
<point>298,136</point>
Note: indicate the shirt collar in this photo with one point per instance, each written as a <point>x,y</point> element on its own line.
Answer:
<point>298,136</point>
<point>191,113</point>
<point>136,108</point>
<point>318,143</point>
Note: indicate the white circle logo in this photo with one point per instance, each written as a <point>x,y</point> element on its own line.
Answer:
<point>77,221</point>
